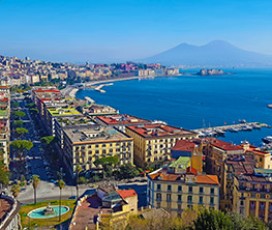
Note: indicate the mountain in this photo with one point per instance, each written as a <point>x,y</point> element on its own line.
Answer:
<point>215,53</point>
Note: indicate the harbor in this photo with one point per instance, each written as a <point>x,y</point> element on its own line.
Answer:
<point>220,130</point>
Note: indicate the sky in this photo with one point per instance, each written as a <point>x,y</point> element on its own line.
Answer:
<point>119,30</point>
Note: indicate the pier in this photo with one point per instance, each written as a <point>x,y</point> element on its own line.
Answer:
<point>220,130</point>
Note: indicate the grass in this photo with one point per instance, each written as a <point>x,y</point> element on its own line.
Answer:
<point>50,222</point>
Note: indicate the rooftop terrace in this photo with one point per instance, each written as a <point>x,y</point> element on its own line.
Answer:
<point>62,112</point>
<point>160,130</point>
<point>122,119</point>
<point>94,133</point>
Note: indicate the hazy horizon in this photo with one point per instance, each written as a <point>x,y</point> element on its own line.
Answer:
<point>107,31</point>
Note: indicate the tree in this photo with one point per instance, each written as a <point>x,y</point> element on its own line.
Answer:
<point>34,111</point>
<point>21,145</point>
<point>21,131</point>
<point>14,104</point>
<point>18,123</point>
<point>15,190</point>
<point>22,181</point>
<point>47,139</point>
<point>127,171</point>
<point>4,173</point>
<point>61,185</point>
<point>212,220</point>
<point>19,114</point>
<point>35,183</point>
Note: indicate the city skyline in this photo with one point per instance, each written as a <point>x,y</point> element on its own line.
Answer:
<point>106,31</point>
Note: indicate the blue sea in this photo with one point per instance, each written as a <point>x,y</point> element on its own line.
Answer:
<point>195,102</point>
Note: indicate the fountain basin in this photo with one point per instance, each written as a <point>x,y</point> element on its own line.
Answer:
<point>40,213</point>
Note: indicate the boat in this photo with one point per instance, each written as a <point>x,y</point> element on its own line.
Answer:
<point>220,132</point>
<point>267,140</point>
<point>246,128</point>
<point>269,106</point>
<point>234,130</point>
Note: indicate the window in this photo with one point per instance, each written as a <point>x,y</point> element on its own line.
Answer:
<point>179,188</point>
<point>169,187</point>
<point>201,200</point>
<point>158,204</point>
<point>179,207</point>
<point>211,200</point>
<point>179,198</point>
<point>201,190</point>
<point>190,189</point>
<point>158,197</point>
<point>158,187</point>
<point>189,199</point>
<point>212,190</point>
<point>168,197</point>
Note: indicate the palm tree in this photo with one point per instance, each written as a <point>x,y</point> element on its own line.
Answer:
<point>61,185</point>
<point>35,183</point>
<point>78,170</point>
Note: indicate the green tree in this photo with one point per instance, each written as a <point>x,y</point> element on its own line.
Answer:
<point>21,131</point>
<point>31,105</point>
<point>34,111</point>
<point>35,183</point>
<point>18,123</point>
<point>127,171</point>
<point>19,114</point>
<point>21,145</point>
<point>47,139</point>
<point>4,174</point>
<point>15,190</point>
<point>14,104</point>
<point>213,220</point>
<point>61,185</point>
<point>22,181</point>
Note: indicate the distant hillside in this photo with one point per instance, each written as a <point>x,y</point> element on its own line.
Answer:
<point>215,53</point>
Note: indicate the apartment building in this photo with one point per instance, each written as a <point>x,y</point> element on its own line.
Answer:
<point>153,142</point>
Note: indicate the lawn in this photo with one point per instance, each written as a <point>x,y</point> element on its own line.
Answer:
<point>28,222</point>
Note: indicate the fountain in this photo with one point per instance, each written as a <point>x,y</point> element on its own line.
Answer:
<point>49,211</point>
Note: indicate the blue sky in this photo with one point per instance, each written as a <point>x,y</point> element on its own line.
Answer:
<point>115,30</point>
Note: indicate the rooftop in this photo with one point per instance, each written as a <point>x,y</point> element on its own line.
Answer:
<point>160,130</point>
<point>184,145</point>
<point>122,119</point>
<point>226,146</point>
<point>185,177</point>
<point>127,193</point>
<point>93,134</point>
<point>63,112</point>
<point>72,121</point>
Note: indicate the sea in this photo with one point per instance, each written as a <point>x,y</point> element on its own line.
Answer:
<point>191,102</point>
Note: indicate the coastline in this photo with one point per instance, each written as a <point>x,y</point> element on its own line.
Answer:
<point>72,90</point>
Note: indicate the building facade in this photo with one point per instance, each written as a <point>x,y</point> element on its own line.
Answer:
<point>153,142</point>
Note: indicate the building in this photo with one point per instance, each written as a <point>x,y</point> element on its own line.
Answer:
<point>178,187</point>
<point>216,152</point>
<point>192,149</point>
<point>131,197</point>
<point>263,159</point>
<point>252,194</point>
<point>153,142</point>
<point>4,123</point>
<point>120,121</point>
<point>9,213</point>
<point>105,209</point>
<point>56,111</point>
<point>83,144</point>
<point>98,110</point>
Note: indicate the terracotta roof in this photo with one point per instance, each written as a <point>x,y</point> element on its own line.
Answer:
<point>184,145</point>
<point>159,130</point>
<point>122,119</point>
<point>207,179</point>
<point>224,145</point>
<point>127,193</point>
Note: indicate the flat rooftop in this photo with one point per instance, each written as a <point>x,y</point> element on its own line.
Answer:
<point>72,121</point>
<point>160,130</point>
<point>63,112</point>
<point>122,119</point>
<point>94,133</point>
